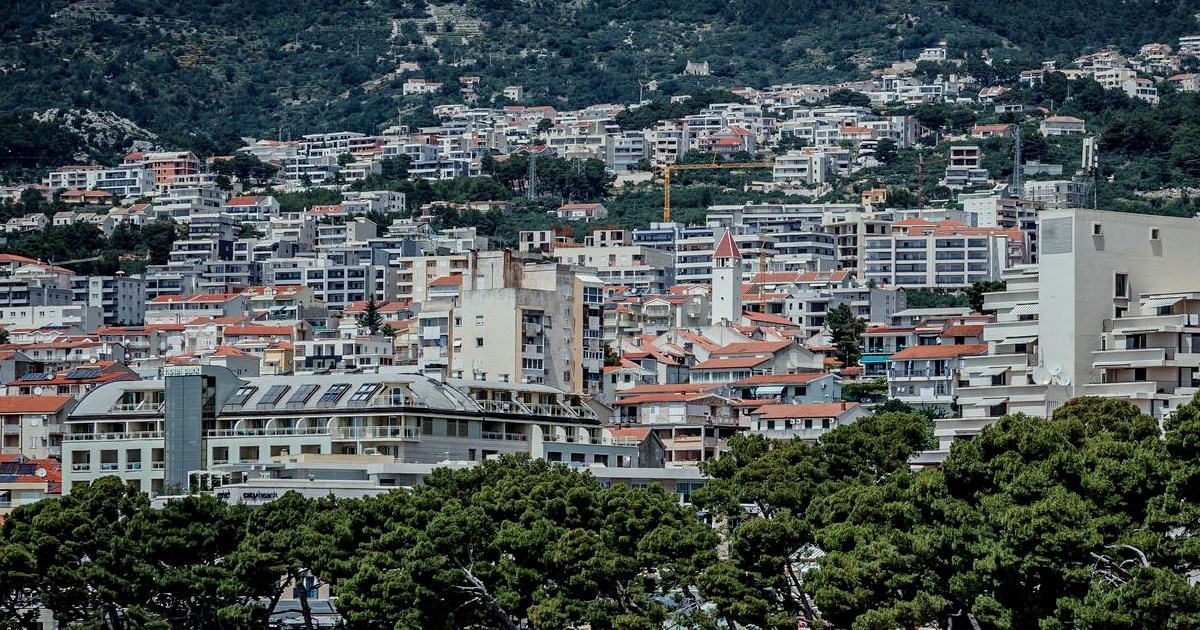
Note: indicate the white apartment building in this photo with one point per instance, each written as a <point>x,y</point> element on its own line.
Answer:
<point>1109,313</point>
<point>122,182</point>
<point>181,204</point>
<point>921,254</point>
<point>160,433</point>
<point>638,268</point>
<point>80,316</point>
<point>121,299</point>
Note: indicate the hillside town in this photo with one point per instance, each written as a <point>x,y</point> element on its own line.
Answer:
<point>354,346</point>
<point>636,352</point>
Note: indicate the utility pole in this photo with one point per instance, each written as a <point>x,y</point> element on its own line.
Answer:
<point>1018,176</point>
<point>920,179</point>
<point>532,189</point>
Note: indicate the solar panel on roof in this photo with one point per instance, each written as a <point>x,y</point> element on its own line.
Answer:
<point>37,376</point>
<point>84,373</point>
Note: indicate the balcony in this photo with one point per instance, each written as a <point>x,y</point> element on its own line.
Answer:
<point>1148,323</point>
<point>1144,389</point>
<point>1013,393</point>
<point>1139,357</point>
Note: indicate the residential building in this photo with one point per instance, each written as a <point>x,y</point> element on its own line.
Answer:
<point>156,433</point>
<point>121,299</point>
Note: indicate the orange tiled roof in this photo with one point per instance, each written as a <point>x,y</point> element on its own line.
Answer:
<point>803,410</point>
<point>940,351</point>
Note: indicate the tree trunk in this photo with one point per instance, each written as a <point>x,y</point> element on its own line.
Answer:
<point>305,609</point>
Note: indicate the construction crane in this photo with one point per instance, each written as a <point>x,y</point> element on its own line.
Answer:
<point>60,263</point>
<point>670,168</point>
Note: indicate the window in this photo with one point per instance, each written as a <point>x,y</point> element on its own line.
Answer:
<point>334,393</point>
<point>479,342</point>
<point>1154,234</point>
<point>273,395</point>
<point>479,320</point>
<point>1121,285</point>
<point>242,395</point>
<point>1135,342</point>
<point>1139,374</point>
<point>1097,230</point>
<point>364,392</point>
<point>302,394</point>
<point>457,428</point>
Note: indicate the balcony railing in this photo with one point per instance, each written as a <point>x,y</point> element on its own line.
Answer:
<point>504,406</point>
<point>377,433</point>
<point>510,437</point>
<point>81,466</point>
<point>130,435</point>
<point>251,432</point>
<point>144,406</point>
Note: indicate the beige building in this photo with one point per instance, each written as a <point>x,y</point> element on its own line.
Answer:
<point>534,323</point>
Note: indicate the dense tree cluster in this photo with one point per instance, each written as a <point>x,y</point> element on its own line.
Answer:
<point>1086,519</point>
<point>316,65</point>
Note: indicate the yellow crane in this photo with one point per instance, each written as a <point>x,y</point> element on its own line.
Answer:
<point>668,169</point>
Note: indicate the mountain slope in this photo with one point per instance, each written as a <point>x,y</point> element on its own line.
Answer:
<point>233,68</point>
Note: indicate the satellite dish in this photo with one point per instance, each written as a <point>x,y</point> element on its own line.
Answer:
<point>41,472</point>
<point>1041,376</point>
<point>1060,376</point>
<point>37,391</point>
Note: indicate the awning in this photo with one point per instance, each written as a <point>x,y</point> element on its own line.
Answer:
<point>1028,308</point>
<point>1162,300</point>
<point>768,390</point>
<point>868,359</point>
<point>1110,364</point>
<point>990,402</point>
<point>1134,331</point>
<point>992,371</point>
<point>1008,340</point>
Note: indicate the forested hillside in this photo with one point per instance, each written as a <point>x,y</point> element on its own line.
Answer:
<point>233,68</point>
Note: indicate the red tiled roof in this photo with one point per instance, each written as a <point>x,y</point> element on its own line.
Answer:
<point>676,388</point>
<point>940,351</point>
<point>32,404</point>
<point>445,281</point>
<point>767,318</point>
<point>630,432</point>
<point>237,331</point>
<point>752,347</point>
<point>963,330</point>
<point>662,398</point>
<point>730,363</point>
<point>803,410</point>
<point>782,379</point>
<point>727,248</point>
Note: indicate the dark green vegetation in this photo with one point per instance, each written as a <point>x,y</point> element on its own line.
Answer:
<point>1083,520</point>
<point>151,242</point>
<point>213,70</point>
